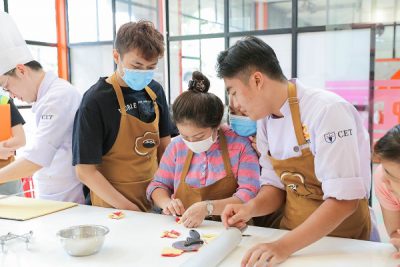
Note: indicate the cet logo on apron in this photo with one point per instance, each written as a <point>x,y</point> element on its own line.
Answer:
<point>223,188</point>
<point>132,161</point>
<point>303,189</point>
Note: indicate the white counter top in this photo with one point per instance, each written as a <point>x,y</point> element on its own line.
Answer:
<point>135,241</point>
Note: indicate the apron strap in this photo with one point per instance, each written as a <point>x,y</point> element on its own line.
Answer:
<point>151,93</point>
<point>153,97</point>
<point>186,166</point>
<point>118,91</point>
<point>295,111</point>
<point>225,154</point>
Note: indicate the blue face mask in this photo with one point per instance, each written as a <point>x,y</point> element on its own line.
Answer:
<point>137,79</point>
<point>242,125</point>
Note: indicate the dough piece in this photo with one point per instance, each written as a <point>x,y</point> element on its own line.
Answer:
<point>116,215</point>
<point>207,238</point>
<point>171,252</point>
<point>170,234</point>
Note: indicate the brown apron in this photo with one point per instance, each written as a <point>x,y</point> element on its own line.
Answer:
<point>303,190</point>
<point>132,161</point>
<point>221,189</point>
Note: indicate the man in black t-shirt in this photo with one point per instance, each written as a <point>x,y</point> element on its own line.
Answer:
<point>123,126</point>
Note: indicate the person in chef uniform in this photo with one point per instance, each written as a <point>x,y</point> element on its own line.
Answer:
<point>315,155</point>
<point>48,156</point>
<point>123,124</point>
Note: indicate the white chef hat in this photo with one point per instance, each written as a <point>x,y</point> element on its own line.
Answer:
<point>13,48</point>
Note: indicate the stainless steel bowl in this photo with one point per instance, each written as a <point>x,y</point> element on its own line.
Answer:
<point>83,240</point>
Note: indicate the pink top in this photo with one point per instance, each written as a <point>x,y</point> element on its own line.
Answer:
<point>386,198</point>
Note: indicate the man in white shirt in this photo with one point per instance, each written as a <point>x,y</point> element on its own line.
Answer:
<point>49,156</point>
<point>315,155</point>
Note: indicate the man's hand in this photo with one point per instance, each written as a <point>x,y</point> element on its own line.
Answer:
<point>265,254</point>
<point>194,215</point>
<point>236,215</point>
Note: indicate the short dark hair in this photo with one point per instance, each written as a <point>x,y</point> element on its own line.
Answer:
<point>34,65</point>
<point>388,147</point>
<point>140,35</point>
<point>247,54</point>
<point>197,105</point>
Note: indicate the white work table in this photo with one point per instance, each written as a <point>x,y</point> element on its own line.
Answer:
<point>135,241</point>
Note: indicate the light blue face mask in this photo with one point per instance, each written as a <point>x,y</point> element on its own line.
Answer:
<point>137,79</point>
<point>242,125</point>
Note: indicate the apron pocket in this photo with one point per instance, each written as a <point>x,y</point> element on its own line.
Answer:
<point>297,184</point>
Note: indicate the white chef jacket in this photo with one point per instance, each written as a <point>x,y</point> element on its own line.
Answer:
<point>337,139</point>
<point>51,144</point>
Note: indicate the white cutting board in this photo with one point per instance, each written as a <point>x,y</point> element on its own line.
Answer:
<point>21,208</point>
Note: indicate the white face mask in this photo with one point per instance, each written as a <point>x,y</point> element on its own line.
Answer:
<point>200,146</point>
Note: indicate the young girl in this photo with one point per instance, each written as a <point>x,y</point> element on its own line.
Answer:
<point>208,166</point>
<point>387,183</point>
